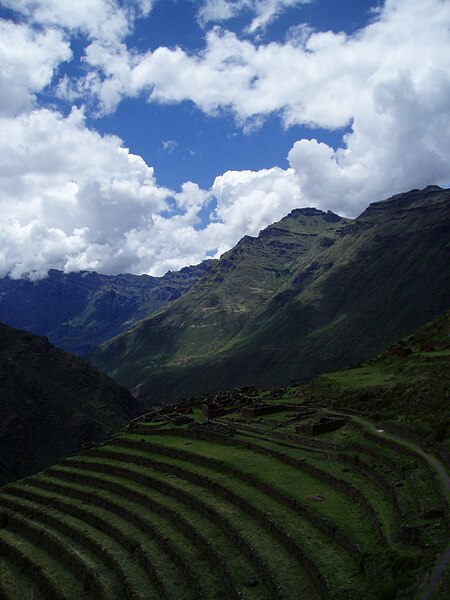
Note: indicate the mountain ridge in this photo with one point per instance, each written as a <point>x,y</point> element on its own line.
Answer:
<point>78,311</point>
<point>298,323</point>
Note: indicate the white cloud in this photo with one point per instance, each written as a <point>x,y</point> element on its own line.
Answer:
<point>73,199</point>
<point>388,83</point>
<point>265,11</point>
<point>79,192</point>
<point>317,78</point>
<point>27,62</point>
<point>402,142</point>
<point>106,20</point>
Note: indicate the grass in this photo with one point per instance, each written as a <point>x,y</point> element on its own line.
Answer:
<point>139,501</point>
<point>314,544</point>
<point>158,515</point>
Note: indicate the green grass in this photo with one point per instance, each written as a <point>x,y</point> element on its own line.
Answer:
<point>218,517</point>
<point>239,567</point>
<point>315,544</point>
<point>280,561</point>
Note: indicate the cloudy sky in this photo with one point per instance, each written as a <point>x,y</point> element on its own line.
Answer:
<point>144,135</point>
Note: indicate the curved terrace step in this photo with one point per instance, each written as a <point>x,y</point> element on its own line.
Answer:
<point>24,501</point>
<point>243,544</point>
<point>66,481</point>
<point>60,549</point>
<point>255,487</point>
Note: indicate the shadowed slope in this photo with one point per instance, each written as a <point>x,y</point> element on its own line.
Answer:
<point>50,403</point>
<point>78,311</point>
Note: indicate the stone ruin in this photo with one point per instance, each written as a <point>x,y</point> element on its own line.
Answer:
<point>323,425</point>
<point>402,352</point>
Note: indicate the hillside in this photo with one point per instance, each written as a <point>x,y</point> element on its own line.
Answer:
<point>270,498</point>
<point>51,403</point>
<point>78,311</point>
<point>311,294</point>
<point>406,388</point>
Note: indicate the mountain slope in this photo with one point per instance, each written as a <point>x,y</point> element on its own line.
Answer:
<point>78,311</point>
<point>230,294</point>
<point>50,403</point>
<point>406,387</point>
<point>354,290</point>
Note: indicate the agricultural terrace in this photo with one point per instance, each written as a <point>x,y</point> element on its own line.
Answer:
<point>252,494</point>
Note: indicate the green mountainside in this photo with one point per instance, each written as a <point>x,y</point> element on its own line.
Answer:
<point>311,294</point>
<point>78,311</point>
<point>407,387</point>
<point>51,403</point>
<point>336,490</point>
<point>251,494</point>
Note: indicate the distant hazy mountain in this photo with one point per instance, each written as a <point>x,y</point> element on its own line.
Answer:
<point>50,403</point>
<point>78,311</point>
<point>310,294</point>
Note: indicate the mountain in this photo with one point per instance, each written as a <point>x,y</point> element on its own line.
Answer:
<point>254,493</point>
<point>51,403</point>
<point>78,311</point>
<point>406,388</point>
<point>310,294</point>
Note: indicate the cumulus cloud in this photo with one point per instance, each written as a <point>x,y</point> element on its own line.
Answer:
<point>387,84</point>
<point>317,78</point>
<point>74,199</point>
<point>70,196</point>
<point>106,20</point>
<point>28,60</point>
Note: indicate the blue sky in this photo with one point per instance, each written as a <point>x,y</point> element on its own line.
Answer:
<point>144,135</point>
<point>207,146</point>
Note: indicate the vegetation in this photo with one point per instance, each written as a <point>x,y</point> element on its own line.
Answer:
<point>78,311</point>
<point>313,293</point>
<point>233,508</point>
<point>409,393</point>
<point>51,404</point>
<point>251,504</point>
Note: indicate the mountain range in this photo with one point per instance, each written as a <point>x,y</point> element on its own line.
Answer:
<point>78,311</point>
<point>312,293</point>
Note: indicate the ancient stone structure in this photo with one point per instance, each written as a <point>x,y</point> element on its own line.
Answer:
<point>324,425</point>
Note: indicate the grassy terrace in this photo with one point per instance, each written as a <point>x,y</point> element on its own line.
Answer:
<point>187,512</point>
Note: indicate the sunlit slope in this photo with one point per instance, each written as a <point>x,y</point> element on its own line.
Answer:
<point>230,295</point>
<point>289,313</point>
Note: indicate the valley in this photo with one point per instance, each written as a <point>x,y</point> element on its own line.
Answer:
<point>78,311</point>
<point>287,436</point>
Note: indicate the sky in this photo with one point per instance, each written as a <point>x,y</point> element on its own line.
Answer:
<point>141,136</point>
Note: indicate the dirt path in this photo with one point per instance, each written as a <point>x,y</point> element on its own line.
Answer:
<point>435,576</point>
